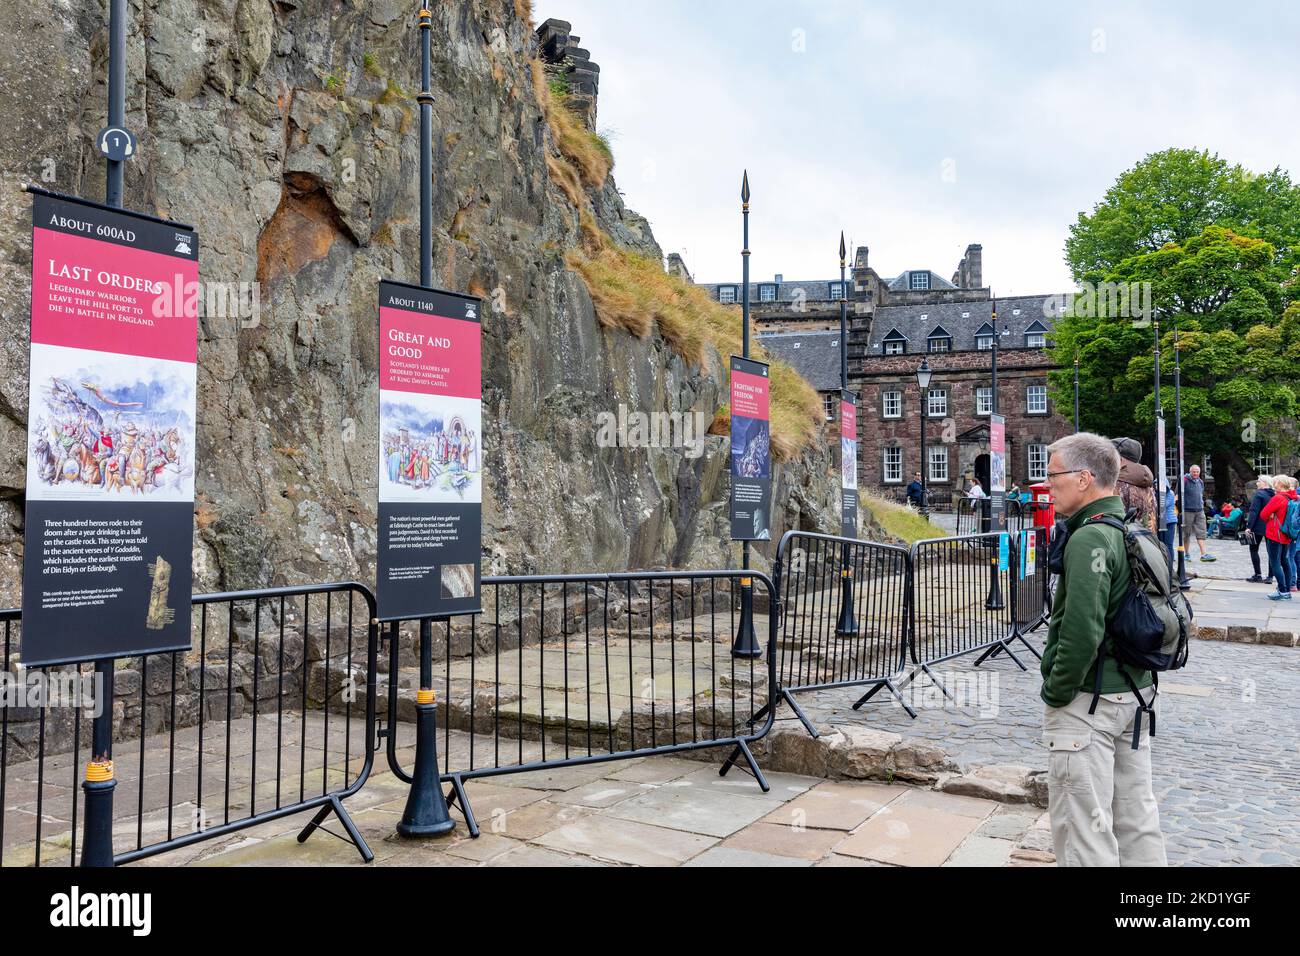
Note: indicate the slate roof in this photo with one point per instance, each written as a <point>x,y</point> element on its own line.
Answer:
<point>814,355</point>
<point>916,322</point>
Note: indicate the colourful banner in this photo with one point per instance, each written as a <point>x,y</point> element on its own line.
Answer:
<point>429,560</point>
<point>848,464</point>
<point>751,451</point>
<point>111,423</point>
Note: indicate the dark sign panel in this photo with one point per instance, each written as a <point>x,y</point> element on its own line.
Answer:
<point>848,464</point>
<point>430,453</point>
<point>751,452</point>
<point>110,456</point>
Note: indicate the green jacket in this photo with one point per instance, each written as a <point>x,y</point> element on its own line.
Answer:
<point>1094,581</point>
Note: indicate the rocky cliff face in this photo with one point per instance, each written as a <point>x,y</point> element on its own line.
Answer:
<point>287,134</point>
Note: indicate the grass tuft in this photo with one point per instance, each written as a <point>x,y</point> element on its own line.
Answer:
<point>899,520</point>
<point>632,292</point>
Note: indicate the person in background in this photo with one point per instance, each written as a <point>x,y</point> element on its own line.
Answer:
<point>1255,526</point>
<point>975,490</point>
<point>1171,519</point>
<point>1294,487</point>
<point>1136,484</point>
<point>914,490</point>
<point>1194,512</point>
<point>1226,510</point>
<point>1279,543</point>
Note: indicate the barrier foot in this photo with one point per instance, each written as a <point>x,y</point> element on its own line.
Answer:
<point>458,796</point>
<point>889,685</point>
<point>991,653</point>
<point>798,712</point>
<point>1032,650</point>
<point>335,806</point>
<point>742,749</point>
<point>930,674</point>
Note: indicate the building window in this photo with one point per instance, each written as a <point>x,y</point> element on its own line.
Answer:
<point>1036,340</point>
<point>984,342</point>
<point>1036,400</point>
<point>941,344</point>
<point>836,291</point>
<point>937,402</point>
<point>1171,463</point>
<point>893,465</point>
<point>1037,462</point>
<point>828,401</point>
<point>893,404</point>
<point>1206,473</point>
<point>1264,463</point>
<point>767,293</point>
<point>895,346</point>
<point>918,280</point>
<point>984,400</point>
<point>938,463</point>
<point>726,293</point>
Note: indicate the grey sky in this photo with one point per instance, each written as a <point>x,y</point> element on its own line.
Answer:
<point>920,128</point>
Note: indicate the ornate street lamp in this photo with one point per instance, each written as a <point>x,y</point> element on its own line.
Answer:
<point>923,382</point>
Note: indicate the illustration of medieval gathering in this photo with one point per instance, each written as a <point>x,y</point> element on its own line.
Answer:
<point>444,459</point>
<point>120,449</point>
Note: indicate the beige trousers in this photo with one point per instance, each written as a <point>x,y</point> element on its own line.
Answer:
<point>1099,796</point>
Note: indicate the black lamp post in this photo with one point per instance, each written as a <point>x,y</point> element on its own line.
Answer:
<point>1160,414</point>
<point>923,382</point>
<point>1076,391</point>
<point>426,805</point>
<point>847,625</point>
<point>746,644</point>
<point>994,600</point>
<point>99,783</point>
<point>1184,581</point>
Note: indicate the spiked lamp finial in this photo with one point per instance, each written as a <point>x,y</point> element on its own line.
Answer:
<point>842,249</point>
<point>744,188</point>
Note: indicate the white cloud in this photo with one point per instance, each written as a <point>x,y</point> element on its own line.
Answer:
<point>854,132</point>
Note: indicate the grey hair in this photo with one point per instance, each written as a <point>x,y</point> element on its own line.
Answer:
<point>1265,481</point>
<point>1085,451</point>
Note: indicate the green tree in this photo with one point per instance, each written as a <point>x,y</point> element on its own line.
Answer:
<point>1225,293</point>
<point>1172,196</point>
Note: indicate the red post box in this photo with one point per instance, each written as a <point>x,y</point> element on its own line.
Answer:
<point>1044,507</point>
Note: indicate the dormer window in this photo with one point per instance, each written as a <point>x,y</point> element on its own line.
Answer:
<point>1036,336</point>
<point>984,337</point>
<point>727,293</point>
<point>767,292</point>
<point>939,340</point>
<point>835,291</point>
<point>894,343</point>
<point>918,280</point>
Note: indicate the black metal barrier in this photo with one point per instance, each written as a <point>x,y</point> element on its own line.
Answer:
<point>197,771</point>
<point>844,619</point>
<point>1032,604</point>
<point>563,670</point>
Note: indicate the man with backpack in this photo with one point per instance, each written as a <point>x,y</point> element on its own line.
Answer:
<point>1114,598</point>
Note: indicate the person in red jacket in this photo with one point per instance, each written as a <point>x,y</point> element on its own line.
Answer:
<point>1279,544</point>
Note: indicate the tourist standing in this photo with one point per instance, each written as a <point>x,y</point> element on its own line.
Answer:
<point>1100,801</point>
<point>1194,525</point>
<point>1255,526</point>
<point>1279,543</point>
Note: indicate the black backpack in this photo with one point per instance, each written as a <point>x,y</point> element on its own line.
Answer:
<point>1151,626</point>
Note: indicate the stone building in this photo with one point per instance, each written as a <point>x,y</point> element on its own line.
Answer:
<point>896,321</point>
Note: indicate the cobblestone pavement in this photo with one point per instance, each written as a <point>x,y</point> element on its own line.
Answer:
<point>1226,760</point>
